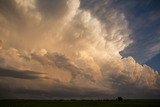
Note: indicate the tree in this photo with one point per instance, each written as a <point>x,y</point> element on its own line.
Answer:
<point>119,99</point>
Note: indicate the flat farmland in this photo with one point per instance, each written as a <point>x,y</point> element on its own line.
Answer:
<point>79,103</point>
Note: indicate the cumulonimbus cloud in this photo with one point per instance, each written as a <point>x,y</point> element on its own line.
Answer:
<point>70,50</point>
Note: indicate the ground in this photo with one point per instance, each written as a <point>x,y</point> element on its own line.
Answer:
<point>82,103</point>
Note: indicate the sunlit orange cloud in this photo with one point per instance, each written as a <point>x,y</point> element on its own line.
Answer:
<point>71,50</point>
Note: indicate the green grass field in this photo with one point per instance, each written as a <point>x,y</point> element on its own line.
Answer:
<point>89,103</point>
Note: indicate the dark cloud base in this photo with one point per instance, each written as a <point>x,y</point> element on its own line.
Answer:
<point>18,74</point>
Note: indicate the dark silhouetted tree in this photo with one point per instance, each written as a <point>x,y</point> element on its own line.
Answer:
<point>119,99</point>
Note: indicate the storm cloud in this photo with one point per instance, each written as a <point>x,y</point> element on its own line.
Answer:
<point>61,49</point>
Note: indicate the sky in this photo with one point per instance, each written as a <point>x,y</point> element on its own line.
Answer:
<point>81,49</point>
